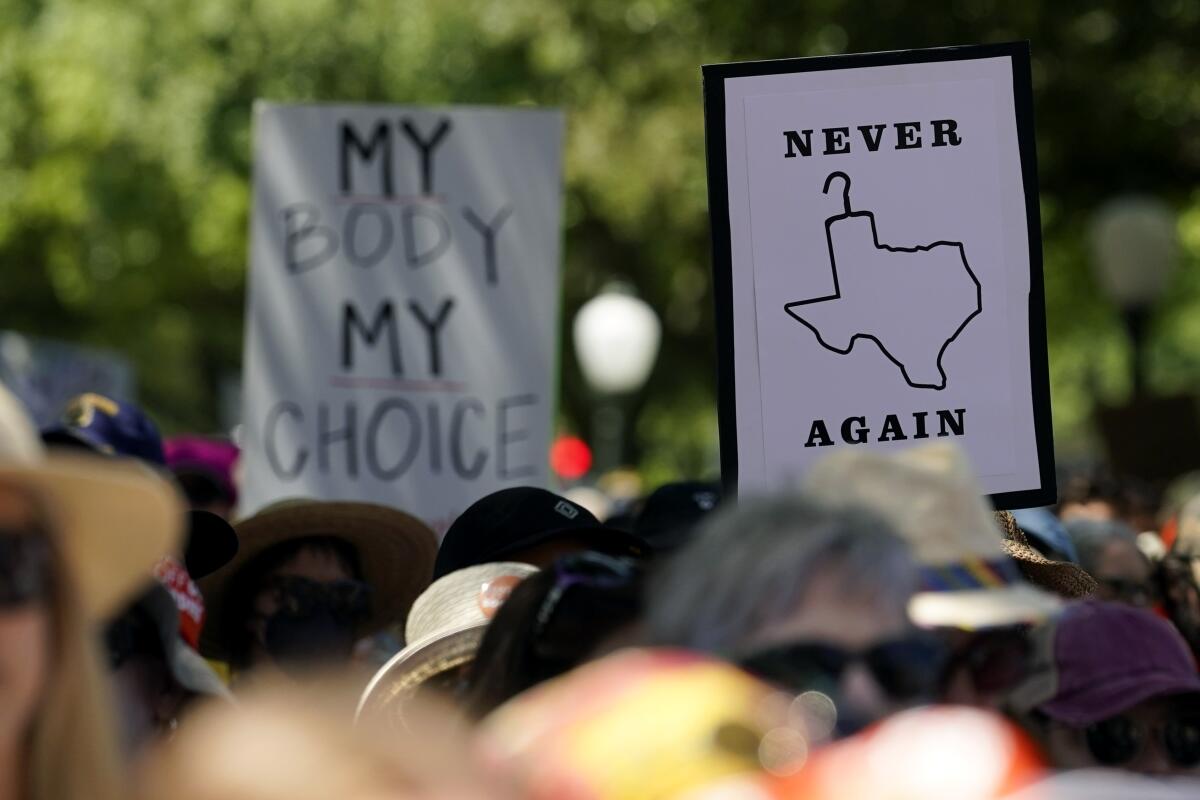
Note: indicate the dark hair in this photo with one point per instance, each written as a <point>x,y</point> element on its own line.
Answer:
<point>202,489</point>
<point>551,623</point>
<point>1092,537</point>
<point>132,634</point>
<point>1086,483</point>
<point>246,584</point>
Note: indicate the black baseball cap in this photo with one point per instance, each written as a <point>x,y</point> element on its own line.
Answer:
<point>510,520</point>
<point>671,513</point>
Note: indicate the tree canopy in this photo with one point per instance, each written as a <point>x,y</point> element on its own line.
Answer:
<point>125,163</point>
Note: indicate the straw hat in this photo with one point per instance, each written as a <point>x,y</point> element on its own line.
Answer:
<point>444,630</point>
<point>931,498</point>
<point>1061,577</point>
<point>395,550</point>
<point>112,519</point>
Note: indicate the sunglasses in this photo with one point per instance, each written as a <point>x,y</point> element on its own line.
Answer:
<point>1118,740</point>
<point>303,597</point>
<point>25,568</point>
<point>996,660</point>
<point>1130,592</point>
<point>906,669</point>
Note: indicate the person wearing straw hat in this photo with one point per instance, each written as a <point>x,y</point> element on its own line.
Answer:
<point>972,590</point>
<point>310,579</point>
<point>1063,577</point>
<point>444,631</point>
<point>77,539</point>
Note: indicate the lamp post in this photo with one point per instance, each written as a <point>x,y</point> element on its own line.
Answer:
<point>617,336</point>
<point>1134,250</point>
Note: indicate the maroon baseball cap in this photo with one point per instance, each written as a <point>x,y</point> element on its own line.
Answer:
<point>1101,659</point>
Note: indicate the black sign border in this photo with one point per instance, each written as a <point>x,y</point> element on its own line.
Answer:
<point>714,77</point>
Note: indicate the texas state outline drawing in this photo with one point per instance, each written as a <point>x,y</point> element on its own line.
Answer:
<point>934,281</point>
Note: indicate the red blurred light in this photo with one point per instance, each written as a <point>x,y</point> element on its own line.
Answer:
<point>570,457</point>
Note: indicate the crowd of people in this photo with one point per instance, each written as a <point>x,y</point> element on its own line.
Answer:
<point>876,631</point>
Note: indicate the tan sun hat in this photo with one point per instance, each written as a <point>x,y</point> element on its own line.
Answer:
<point>112,519</point>
<point>395,551</point>
<point>931,497</point>
<point>1063,578</point>
<point>443,631</point>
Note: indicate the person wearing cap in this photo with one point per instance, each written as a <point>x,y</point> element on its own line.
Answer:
<point>443,632</point>
<point>1112,686</point>
<point>669,516</point>
<point>310,579</point>
<point>1108,550</point>
<point>530,525</point>
<point>77,539</point>
<point>109,427</point>
<point>204,467</point>
<point>973,591</point>
<point>804,595</point>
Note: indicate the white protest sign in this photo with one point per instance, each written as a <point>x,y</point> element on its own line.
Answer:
<point>402,316</point>
<point>877,259</point>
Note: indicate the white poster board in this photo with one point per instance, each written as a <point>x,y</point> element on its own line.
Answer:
<point>402,317</point>
<point>877,261</point>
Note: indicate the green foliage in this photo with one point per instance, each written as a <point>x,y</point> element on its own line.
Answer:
<point>125,161</point>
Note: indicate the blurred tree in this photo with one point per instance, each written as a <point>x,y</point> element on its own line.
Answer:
<point>125,162</point>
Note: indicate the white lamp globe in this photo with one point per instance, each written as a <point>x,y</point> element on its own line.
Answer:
<point>616,341</point>
<point>1134,249</point>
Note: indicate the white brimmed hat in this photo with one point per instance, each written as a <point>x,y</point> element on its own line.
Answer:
<point>932,499</point>
<point>444,630</point>
<point>112,520</point>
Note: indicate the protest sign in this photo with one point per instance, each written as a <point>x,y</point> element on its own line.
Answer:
<point>45,374</point>
<point>877,263</point>
<point>403,304</point>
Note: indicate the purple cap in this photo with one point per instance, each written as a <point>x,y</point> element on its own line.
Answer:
<point>1108,658</point>
<point>209,457</point>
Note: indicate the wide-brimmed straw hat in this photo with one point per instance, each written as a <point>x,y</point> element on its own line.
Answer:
<point>111,520</point>
<point>395,551</point>
<point>932,499</point>
<point>444,631</point>
<point>1063,578</point>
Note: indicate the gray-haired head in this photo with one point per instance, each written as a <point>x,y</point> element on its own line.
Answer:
<point>750,566</point>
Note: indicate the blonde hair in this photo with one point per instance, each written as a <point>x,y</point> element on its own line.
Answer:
<point>286,742</point>
<point>73,750</point>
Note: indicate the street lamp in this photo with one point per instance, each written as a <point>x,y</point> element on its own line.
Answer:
<point>616,342</point>
<point>1134,250</point>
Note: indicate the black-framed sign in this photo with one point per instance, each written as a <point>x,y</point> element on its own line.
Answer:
<point>877,263</point>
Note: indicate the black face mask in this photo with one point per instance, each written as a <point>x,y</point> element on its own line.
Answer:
<point>318,638</point>
<point>315,624</point>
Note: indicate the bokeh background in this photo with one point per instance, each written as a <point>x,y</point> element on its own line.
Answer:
<point>125,165</point>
